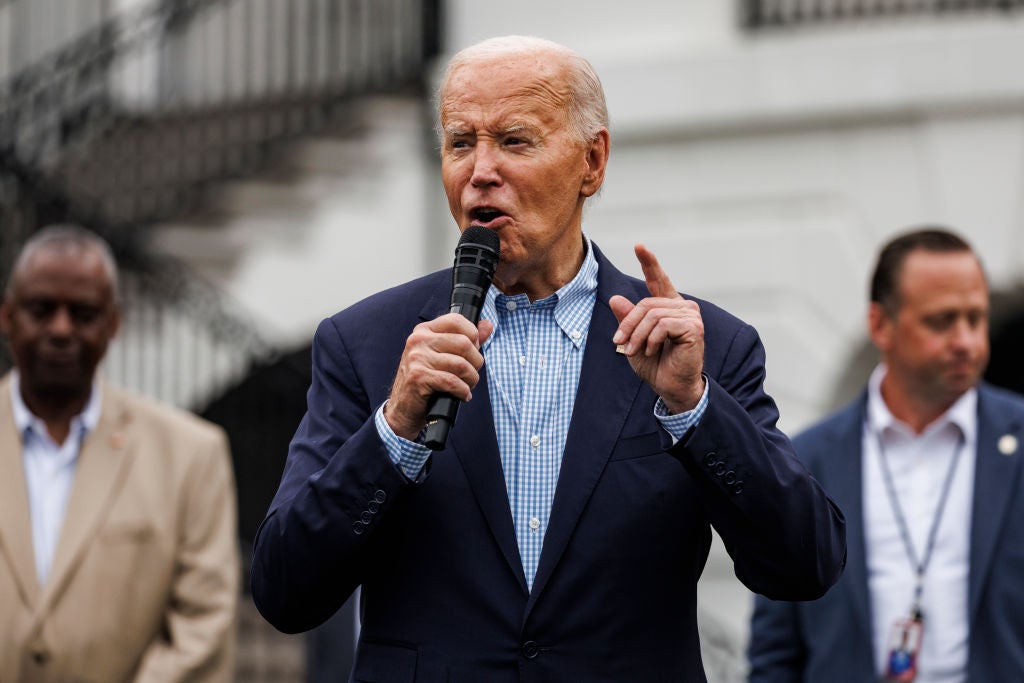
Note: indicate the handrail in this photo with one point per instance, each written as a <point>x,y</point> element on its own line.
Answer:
<point>779,14</point>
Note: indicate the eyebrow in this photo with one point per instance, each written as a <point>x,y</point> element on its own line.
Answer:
<point>515,127</point>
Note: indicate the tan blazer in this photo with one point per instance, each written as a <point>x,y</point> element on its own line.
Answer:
<point>145,579</point>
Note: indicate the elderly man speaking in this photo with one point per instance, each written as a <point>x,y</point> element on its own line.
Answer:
<point>608,424</point>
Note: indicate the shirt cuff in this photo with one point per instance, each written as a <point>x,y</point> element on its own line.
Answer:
<point>409,456</point>
<point>677,425</point>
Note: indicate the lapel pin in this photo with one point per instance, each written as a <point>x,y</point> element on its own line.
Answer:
<point>1007,444</point>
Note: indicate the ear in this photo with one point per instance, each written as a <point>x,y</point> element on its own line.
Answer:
<point>598,150</point>
<point>880,326</point>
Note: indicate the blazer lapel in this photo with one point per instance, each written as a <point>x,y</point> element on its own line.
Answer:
<point>996,475</point>
<point>15,520</point>
<point>101,470</point>
<point>845,485</point>
<point>475,444</point>
<point>607,390</point>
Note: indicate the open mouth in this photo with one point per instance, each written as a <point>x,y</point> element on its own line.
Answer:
<point>485,215</point>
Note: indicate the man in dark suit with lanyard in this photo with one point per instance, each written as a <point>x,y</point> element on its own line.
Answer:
<point>560,534</point>
<point>926,464</point>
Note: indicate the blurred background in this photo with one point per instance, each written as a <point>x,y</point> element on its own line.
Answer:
<point>259,164</point>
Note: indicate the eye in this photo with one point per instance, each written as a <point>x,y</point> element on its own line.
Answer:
<point>83,314</point>
<point>940,322</point>
<point>40,309</point>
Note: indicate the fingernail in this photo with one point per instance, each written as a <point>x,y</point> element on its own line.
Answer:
<point>629,349</point>
<point>617,339</point>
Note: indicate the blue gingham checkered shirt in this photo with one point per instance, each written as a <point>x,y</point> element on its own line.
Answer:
<point>533,363</point>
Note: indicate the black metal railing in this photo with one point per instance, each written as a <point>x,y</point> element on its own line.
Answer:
<point>767,14</point>
<point>118,120</point>
<point>142,111</point>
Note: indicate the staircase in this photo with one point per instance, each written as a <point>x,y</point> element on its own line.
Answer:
<point>242,158</point>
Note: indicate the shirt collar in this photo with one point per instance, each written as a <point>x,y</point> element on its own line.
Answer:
<point>23,417</point>
<point>963,413</point>
<point>574,301</point>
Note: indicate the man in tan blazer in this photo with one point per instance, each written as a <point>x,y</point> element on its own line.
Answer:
<point>118,545</point>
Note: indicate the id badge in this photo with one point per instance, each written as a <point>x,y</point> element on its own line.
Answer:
<point>904,646</point>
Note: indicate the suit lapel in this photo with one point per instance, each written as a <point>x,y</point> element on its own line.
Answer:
<point>475,444</point>
<point>15,521</point>
<point>995,479</point>
<point>845,485</point>
<point>100,473</point>
<point>607,390</point>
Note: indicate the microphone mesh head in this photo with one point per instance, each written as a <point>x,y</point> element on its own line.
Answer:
<point>478,234</point>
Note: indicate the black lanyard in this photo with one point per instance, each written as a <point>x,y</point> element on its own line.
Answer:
<point>919,566</point>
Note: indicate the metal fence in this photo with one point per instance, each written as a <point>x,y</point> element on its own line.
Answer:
<point>118,118</point>
<point>768,14</point>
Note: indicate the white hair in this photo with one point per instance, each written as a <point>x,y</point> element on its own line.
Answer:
<point>587,110</point>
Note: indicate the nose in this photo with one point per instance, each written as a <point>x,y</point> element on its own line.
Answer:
<point>966,336</point>
<point>485,166</point>
<point>61,324</point>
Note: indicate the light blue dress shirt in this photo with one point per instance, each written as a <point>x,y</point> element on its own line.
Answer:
<point>534,359</point>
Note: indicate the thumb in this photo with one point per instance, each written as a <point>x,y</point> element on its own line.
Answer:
<point>621,306</point>
<point>484,330</point>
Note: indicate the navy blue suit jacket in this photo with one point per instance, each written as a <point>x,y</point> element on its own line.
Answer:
<point>444,596</point>
<point>830,639</point>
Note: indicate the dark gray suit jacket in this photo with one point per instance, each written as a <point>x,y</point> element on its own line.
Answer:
<point>830,639</point>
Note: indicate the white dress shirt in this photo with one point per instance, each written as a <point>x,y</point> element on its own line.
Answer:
<point>49,471</point>
<point>919,464</point>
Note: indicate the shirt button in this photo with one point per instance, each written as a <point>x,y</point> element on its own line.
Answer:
<point>534,523</point>
<point>576,335</point>
<point>511,305</point>
<point>522,360</point>
<point>535,441</point>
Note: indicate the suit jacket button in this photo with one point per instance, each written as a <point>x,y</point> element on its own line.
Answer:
<point>380,496</point>
<point>738,488</point>
<point>530,649</point>
<point>730,478</point>
<point>373,507</point>
<point>366,517</point>
<point>358,527</point>
<point>720,469</point>
<point>710,460</point>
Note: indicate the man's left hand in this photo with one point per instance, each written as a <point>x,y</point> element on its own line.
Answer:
<point>663,336</point>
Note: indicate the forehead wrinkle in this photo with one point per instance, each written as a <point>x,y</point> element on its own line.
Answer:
<point>547,85</point>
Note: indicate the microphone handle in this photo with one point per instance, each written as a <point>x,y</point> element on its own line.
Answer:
<point>443,407</point>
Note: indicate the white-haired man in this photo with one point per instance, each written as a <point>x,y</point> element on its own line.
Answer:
<point>560,534</point>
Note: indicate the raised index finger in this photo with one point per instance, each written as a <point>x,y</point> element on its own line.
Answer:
<point>658,282</point>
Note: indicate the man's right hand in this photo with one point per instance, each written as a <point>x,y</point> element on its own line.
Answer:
<point>440,356</point>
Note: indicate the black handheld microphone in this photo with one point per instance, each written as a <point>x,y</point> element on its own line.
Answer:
<point>476,257</point>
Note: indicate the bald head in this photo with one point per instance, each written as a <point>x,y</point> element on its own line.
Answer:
<point>586,109</point>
